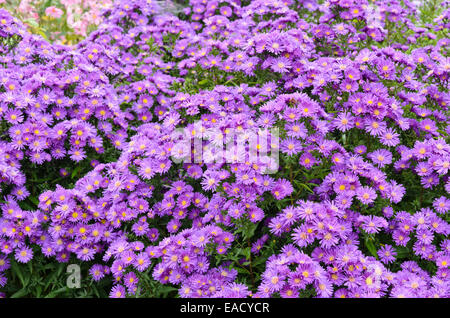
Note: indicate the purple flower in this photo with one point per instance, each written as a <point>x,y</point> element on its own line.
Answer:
<point>118,291</point>
<point>366,194</point>
<point>24,255</point>
<point>381,157</point>
<point>387,254</point>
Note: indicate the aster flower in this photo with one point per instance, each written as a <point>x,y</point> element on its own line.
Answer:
<point>282,188</point>
<point>344,122</point>
<point>389,137</point>
<point>387,254</point>
<point>381,157</point>
<point>118,291</point>
<point>210,181</point>
<point>130,281</point>
<point>77,154</point>
<point>97,272</point>
<point>442,165</point>
<point>375,127</point>
<point>366,194</point>
<point>24,255</point>
<point>373,224</point>
<point>14,116</point>
<point>290,146</point>
<point>281,65</point>
<point>441,205</point>
<point>307,160</point>
<point>296,129</point>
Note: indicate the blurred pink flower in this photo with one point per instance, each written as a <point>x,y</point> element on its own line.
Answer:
<point>80,15</point>
<point>70,2</point>
<point>53,12</point>
<point>80,27</point>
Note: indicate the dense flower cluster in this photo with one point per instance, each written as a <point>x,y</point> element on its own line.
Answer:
<point>356,207</point>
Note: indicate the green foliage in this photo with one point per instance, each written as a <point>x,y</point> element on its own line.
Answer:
<point>44,278</point>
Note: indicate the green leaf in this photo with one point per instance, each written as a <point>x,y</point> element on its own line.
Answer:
<point>246,252</point>
<point>371,247</point>
<point>56,292</point>
<point>34,200</point>
<point>402,252</point>
<point>51,279</point>
<point>166,290</point>
<point>95,291</point>
<point>203,82</point>
<point>25,205</point>
<point>241,270</point>
<point>75,171</point>
<point>30,268</point>
<point>306,187</point>
<point>20,293</point>
<point>32,23</point>
<point>248,230</point>
<point>38,291</point>
<point>16,270</point>
<point>259,261</point>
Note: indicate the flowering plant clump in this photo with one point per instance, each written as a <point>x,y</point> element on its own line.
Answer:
<point>229,149</point>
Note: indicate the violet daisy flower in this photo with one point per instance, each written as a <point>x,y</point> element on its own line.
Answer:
<point>24,254</point>
<point>381,157</point>
<point>387,254</point>
<point>366,194</point>
<point>118,291</point>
